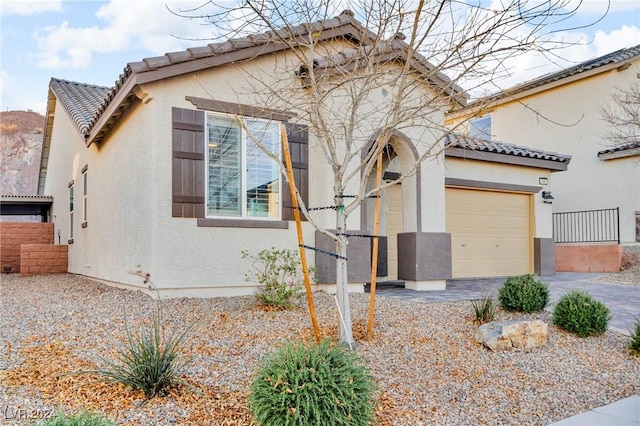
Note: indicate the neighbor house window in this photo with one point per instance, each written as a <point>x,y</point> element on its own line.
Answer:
<point>84,196</point>
<point>243,181</point>
<point>481,127</point>
<point>71,212</point>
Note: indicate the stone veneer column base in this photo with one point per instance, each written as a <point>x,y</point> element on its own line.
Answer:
<point>333,288</point>
<point>426,285</point>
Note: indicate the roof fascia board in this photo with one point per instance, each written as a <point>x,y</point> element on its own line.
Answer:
<point>125,91</point>
<point>619,154</point>
<point>493,157</point>
<point>46,139</point>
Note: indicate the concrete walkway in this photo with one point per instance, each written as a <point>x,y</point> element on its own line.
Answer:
<point>622,300</point>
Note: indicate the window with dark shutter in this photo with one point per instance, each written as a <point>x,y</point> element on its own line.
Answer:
<point>298,137</point>
<point>188,184</point>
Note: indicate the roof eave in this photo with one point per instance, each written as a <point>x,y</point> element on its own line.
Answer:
<point>46,139</point>
<point>516,160</point>
<point>604,156</point>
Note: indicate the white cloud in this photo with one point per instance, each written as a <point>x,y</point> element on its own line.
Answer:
<point>29,7</point>
<point>13,96</point>
<point>600,7</point>
<point>144,24</point>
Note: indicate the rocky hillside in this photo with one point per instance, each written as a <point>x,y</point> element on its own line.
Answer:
<point>20,149</point>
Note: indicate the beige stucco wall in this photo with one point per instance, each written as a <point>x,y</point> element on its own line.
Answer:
<point>507,174</point>
<point>121,209</point>
<point>130,226</point>
<point>567,120</point>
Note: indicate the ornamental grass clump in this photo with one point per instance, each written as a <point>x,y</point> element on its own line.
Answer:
<point>485,309</point>
<point>82,419</point>
<point>524,294</point>
<point>634,343</point>
<point>320,384</point>
<point>150,360</point>
<point>579,313</point>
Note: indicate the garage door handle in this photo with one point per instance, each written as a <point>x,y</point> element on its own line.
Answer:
<point>463,245</point>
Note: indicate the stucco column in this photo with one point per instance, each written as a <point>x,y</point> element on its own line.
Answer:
<point>424,259</point>
<point>544,256</point>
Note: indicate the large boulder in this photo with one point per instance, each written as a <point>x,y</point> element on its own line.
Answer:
<point>507,335</point>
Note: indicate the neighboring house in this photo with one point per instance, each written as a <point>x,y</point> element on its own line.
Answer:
<point>143,179</point>
<point>562,112</point>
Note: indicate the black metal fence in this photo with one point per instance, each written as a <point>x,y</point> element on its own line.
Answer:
<point>588,226</point>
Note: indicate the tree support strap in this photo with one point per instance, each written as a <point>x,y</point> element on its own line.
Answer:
<point>328,253</point>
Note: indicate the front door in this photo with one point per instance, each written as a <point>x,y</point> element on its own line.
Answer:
<point>394,226</point>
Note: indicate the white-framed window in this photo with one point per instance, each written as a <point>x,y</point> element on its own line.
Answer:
<point>84,196</point>
<point>242,180</point>
<point>71,211</point>
<point>481,127</point>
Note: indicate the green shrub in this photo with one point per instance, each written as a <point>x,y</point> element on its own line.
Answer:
<point>278,273</point>
<point>150,360</point>
<point>82,419</point>
<point>634,343</point>
<point>485,309</point>
<point>524,294</point>
<point>579,313</point>
<point>322,384</point>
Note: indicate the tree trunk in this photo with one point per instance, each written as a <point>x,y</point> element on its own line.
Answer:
<point>345,334</point>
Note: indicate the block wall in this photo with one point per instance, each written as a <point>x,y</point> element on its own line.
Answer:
<point>14,234</point>
<point>588,258</point>
<point>43,259</point>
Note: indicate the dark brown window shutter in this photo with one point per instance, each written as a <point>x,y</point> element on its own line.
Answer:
<point>298,145</point>
<point>188,181</point>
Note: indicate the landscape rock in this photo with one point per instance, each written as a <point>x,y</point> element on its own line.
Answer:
<point>508,335</point>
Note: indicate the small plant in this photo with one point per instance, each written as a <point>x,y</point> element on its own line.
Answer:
<point>150,360</point>
<point>278,273</point>
<point>634,343</point>
<point>524,294</point>
<point>485,309</point>
<point>579,313</point>
<point>82,419</point>
<point>320,384</point>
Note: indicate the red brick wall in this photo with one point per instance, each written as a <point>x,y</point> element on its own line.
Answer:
<point>43,259</point>
<point>13,234</point>
<point>588,258</point>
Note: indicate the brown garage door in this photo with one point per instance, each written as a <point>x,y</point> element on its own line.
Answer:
<point>490,232</point>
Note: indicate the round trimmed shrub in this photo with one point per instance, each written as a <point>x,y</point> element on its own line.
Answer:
<point>319,384</point>
<point>579,313</point>
<point>524,294</point>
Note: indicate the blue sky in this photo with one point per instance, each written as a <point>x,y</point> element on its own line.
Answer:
<point>91,41</point>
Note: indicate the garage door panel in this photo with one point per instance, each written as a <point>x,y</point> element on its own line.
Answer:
<point>490,232</point>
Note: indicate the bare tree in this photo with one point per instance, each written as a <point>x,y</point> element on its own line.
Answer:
<point>622,116</point>
<point>401,72</point>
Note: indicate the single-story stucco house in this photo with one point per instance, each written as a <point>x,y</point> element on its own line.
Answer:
<point>142,179</point>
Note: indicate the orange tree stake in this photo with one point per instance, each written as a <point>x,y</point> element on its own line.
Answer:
<point>374,251</point>
<point>296,215</point>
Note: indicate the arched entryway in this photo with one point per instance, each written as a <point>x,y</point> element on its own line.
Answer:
<point>399,202</point>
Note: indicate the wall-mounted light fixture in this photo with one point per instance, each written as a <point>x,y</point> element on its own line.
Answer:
<point>547,198</point>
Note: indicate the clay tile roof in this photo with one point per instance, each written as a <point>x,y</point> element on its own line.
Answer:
<point>467,142</point>
<point>619,148</point>
<point>616,57</point>
<point>80,100</point>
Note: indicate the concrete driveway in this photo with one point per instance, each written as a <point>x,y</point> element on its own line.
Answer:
<point>623,300</point>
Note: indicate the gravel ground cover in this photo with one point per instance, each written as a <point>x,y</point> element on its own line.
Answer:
<point>427,365</point>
